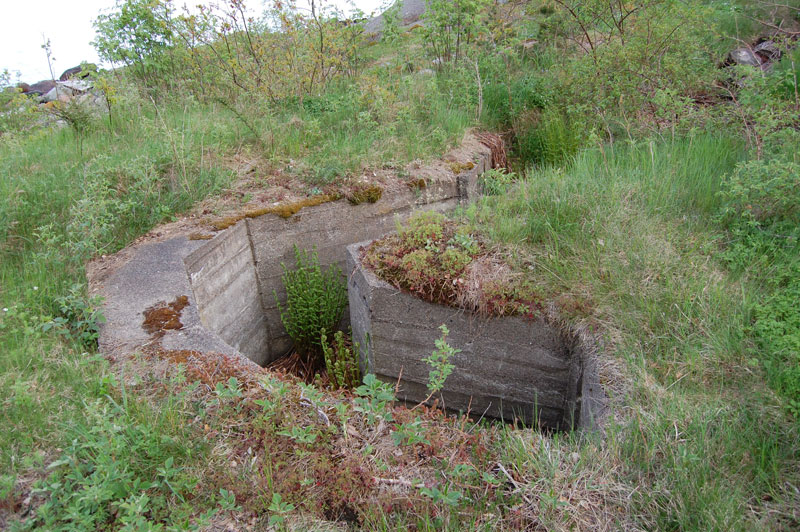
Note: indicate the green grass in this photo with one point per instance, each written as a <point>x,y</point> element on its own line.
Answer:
<point>59,210</point>
<point>631,231</point>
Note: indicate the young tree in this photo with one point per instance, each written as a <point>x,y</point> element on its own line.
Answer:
<point>452,24</point>
<point>138,34</point>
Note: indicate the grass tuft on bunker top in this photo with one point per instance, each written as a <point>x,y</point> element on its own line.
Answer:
<point>444,262</point>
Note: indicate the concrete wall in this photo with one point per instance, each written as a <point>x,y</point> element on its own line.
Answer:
<point>235,275</point>
<point>223,278</point>
<point>508,367</point>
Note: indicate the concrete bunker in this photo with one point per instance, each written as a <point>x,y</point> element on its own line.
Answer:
<point>509,368</point>
<point>226,287</point>
<point>236,276</point>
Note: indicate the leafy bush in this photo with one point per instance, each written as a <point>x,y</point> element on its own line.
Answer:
<point>138,34</point>
<point>315,300</point>
<point>17,111</point>
<point>624,53</point>
<point>763,194</point>
<point>118,473</point>
<point>79,317</point>
<point>777,329</point>
<point>451,25</point>
<point>761,208</point>
<point>341,361</point>
<point>78,117</point>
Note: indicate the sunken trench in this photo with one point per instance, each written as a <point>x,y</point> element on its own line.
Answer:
<point>226,288</point>
<point>236,276</point>
<point>510,368</point>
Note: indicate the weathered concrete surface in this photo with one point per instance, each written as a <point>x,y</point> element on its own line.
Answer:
<point>154,273</point>
<point>508,367</point>
<point>223,279</point>
<point>236,275</point>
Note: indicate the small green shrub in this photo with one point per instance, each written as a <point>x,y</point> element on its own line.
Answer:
<point>763,194</point>
<point>496,181</point>
<point>79,317</point>
<point>410,433</point>
<point>315,300</point>
<point>439,361</point>
<point>17,111</point>
<point>375,399</point>
<point>341,361</point>
<point>78,117</point>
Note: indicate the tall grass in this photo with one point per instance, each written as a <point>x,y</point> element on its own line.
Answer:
<point>630,231</point>
<point>58,210</point>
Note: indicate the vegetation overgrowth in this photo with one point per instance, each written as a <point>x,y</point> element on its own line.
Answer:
<point>656,194</point>
<point>439,261</point>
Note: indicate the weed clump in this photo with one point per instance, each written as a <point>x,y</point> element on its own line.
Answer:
<point>341,361</point>
<point>315,301</point>
<point>442,262</point>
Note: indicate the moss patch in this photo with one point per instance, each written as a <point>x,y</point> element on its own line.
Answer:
<point>364,194</point>
<point>287,210</point>
<point>417,184</point>
<point>284,210</point>
<point>200,236</point>
<point>164,316</point>
<point>458,167</point>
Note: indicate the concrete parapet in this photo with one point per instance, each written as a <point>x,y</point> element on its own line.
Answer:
<point>508,367</point>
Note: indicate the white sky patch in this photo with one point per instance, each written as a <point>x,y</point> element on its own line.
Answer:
<point>68,25</point>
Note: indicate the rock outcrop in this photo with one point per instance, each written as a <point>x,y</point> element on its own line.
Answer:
<point>411,12</point>
<point>40,88</point>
